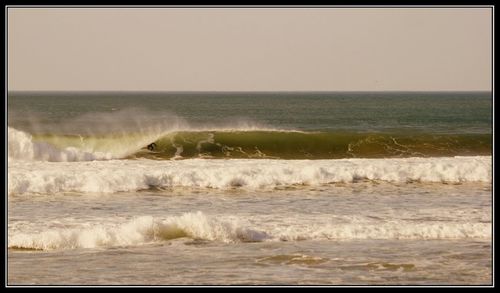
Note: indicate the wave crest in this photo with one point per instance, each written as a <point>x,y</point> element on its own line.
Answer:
<point>249,143</point>
<point>22,147</point>
<point>230,229</point>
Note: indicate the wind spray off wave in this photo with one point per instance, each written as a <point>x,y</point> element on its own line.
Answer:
<point>64,148</point>
<point>91,136</point>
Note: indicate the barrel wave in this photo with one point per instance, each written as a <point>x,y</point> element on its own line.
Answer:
<point>241,144</point>
<point>315,145</point>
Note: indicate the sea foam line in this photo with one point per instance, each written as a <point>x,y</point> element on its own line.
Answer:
<point>27,177</point>
<point>230,229</point>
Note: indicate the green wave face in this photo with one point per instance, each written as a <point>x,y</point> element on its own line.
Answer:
<point>314,145</point>
<point>120,145</point>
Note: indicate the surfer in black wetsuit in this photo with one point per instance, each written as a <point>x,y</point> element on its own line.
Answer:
<point>151,146</point>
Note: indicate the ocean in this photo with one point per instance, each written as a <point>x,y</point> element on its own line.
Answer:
<point>249,188</point>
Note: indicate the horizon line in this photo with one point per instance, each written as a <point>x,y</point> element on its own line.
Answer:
<point>242,91</point>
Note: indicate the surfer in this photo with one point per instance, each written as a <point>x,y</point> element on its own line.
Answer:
<point>151,146</point>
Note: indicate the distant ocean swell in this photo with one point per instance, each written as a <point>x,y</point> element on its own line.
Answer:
<point>253,144</point>
<point>199,226</point>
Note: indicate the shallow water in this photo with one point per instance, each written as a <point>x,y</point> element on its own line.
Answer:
<point>351,234</point>
<point>186,262</point>
<point>249,188</point>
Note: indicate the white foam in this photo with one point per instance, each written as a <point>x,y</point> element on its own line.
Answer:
<point>389,230</point>
<point>148,229</point>
<point>22,147</point>
<point>26,177</point>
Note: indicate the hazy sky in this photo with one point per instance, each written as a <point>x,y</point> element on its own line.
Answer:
<point>249,49</point>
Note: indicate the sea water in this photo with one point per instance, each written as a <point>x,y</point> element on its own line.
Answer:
<point>249,188</point>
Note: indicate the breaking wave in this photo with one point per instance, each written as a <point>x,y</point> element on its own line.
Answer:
<point>25,177</point>
<point>243,143</point>
<point>148,229</point>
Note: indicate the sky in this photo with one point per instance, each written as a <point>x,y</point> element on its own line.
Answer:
<point>249,49</point>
